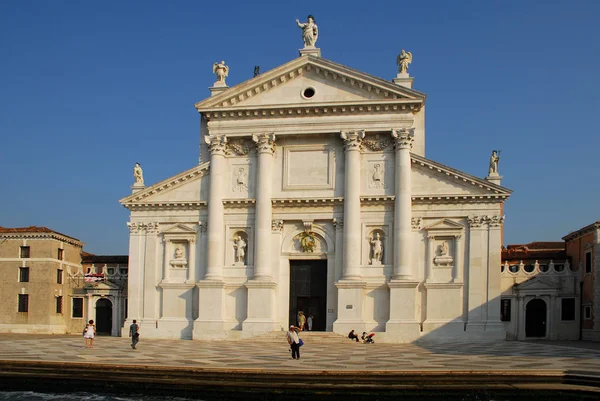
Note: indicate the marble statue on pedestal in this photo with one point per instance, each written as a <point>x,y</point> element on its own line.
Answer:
<point>376,249</point>
<point>179,252</point>
<point>310,32</point>
<point>494,159</point>
<point>221,71</point>
<point>403,60</point>
<point>444,258</point>
<point>138,174</point>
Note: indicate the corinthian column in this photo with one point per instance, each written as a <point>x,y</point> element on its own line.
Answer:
<point>215,250</point>
<point>265,147</point>
<point>352,246</point>
<point>403,139</point>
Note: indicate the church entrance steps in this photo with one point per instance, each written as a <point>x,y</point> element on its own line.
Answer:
<point>314,337</point>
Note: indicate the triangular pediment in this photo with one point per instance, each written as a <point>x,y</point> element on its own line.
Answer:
<point>537,284</point>
<point>185,187</point>
<point>332,83</point>
<point>179,229</point>
<point>444,225</point>
<point>433,179</point>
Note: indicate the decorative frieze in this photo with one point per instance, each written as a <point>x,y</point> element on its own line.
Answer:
<point>491,221</point>
<point>352,139</point>
<point>149,228</point>
<point>265,143</point>
<point>276,225</point>
<point>238,147</point>
<point>376,143</point>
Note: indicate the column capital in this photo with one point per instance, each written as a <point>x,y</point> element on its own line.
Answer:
<point>265,143</point>
<point>403,138</point>
<point>217,145</point>
<point>352,139</point>
<point>495,221</point>
<point>276,225</point>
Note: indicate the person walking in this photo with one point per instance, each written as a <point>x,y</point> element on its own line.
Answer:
<point>89,333</point>
<point>309,322</point>
<point>134,333</point>
<point>294,341</point>
<point>301,320</point>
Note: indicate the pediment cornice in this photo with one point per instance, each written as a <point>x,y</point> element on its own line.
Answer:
<point>137,199</point>
<point>390,96</point>
<point>494,191</point>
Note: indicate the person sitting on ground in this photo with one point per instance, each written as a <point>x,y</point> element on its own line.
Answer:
<point>352,336</point>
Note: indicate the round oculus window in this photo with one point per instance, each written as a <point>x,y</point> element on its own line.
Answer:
<point>308,93</point>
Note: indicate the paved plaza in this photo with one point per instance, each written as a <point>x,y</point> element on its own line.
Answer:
<point>330,353</point>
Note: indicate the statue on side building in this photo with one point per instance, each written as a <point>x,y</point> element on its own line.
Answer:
<point>138,174</point>
<point>403,60</point>
<point>310,32</point>
<point>494,159</point>
<point>179,253</point>
<point>221,71</point>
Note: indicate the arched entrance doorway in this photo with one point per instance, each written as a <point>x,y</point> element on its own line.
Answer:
<point>308,291</point>
<point>104,316</point>
<point>535,318</point>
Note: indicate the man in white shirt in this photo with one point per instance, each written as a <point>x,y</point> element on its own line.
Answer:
<point>294,341</point>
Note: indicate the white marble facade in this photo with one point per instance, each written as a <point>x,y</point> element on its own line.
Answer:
<point>316,161</point>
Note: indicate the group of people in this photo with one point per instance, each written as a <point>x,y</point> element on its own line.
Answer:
<point>365,338</point>
<point>89,333</point>
<point>304,323</point>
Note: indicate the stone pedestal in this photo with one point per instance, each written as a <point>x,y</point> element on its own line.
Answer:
<point>403,79</point>
<point>350,307</point>
<point>310,51</point>
<point>217,88</point>
<point>137,187</point>
<point>444,311</point>
<point>494,178</point>
<point>211,322</point>
<point>261,308</point>
<point>402,325</point>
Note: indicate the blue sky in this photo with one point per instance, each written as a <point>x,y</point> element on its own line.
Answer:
<point>89,88</point>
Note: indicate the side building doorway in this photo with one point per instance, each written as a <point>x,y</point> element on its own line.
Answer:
<point>535,318</point>
<point>308,292</point>
<point>104,316</point>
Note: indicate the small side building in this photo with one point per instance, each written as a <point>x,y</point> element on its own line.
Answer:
<point>583,247</point>
<point>48,285</point>
<point>540,292</point>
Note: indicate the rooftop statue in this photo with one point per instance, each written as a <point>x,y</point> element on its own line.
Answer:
<point>403,60</point>
<point>221,71</point>
<point>138,174</point>
<point>494,159</point>
<point>310,32</point>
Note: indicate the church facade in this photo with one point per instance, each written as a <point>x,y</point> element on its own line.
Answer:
<point>313,194</point>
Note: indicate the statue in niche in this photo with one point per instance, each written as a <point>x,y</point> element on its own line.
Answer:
<point>239,246</point>
<point>240,180</point>
<point>179,252</point>
<point>444,258</point>
<point>221,71</point>
<point>138,174</point>
<point>377,177</point>
<point>310,32</point>
<point>403,60</point>
<point>494,159</point>
<point>376,249</point>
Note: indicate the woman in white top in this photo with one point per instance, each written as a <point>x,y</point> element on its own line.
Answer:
<point>89,333</point>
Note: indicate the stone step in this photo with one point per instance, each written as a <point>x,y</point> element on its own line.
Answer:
<point>320,337</point>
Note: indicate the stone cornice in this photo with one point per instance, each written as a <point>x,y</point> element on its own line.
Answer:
<point>460,176</point>
<point>583,231</point>
<point>307,201</point>
<point>328,70</point>
<point>319,109</point>
<point>172,182</point>
<point>165,205</point>
<point>34,235</point>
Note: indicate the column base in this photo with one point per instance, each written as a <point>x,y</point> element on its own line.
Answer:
<point>211,323</point>
<point>351,295</point>
<point>261,307</point>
